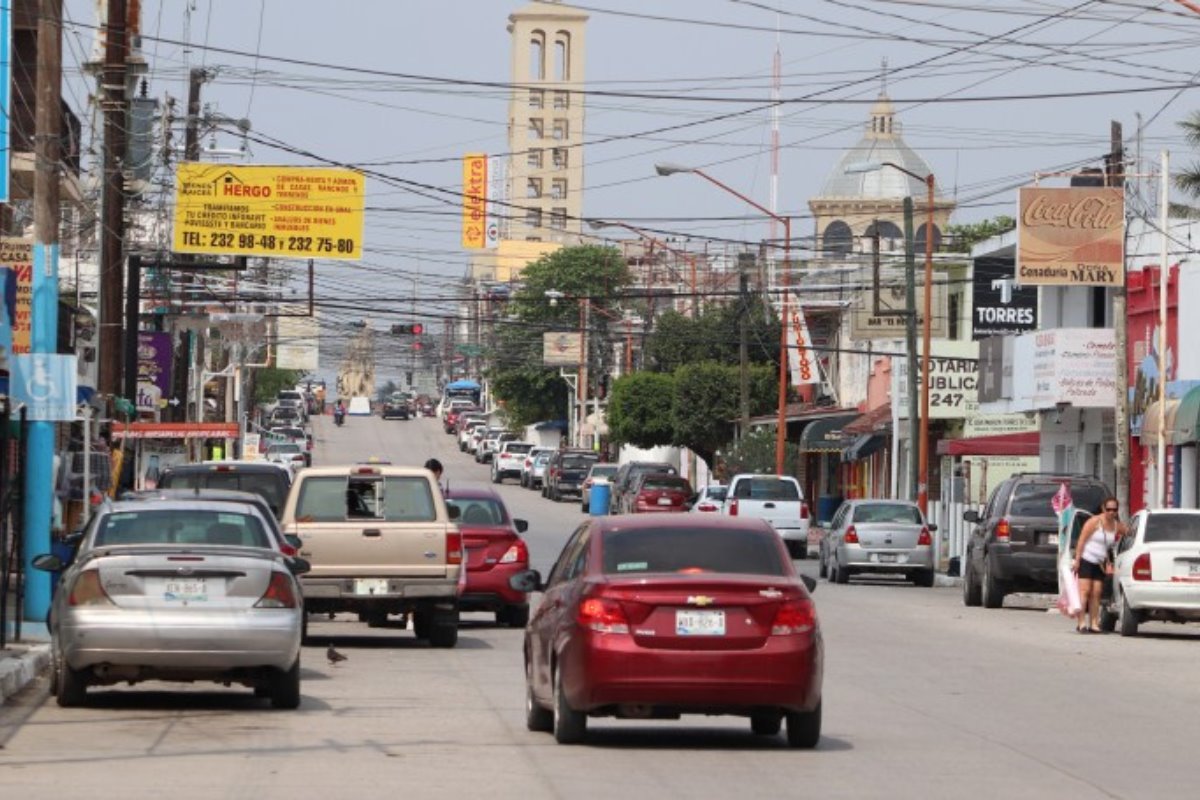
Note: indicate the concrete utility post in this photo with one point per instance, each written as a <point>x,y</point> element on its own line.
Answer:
<point>910,341</point>
<point>112,232</point>
<point>39,493</point>
<point>1115,176</point>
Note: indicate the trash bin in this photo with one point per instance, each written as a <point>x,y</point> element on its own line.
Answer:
<point>827,506</point>
<point>601,494</point>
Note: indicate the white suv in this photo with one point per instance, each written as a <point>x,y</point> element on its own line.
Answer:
<point>509,459</point>
<point>527,464</point>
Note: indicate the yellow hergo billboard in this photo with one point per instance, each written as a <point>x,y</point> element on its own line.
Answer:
<point>285,212</point>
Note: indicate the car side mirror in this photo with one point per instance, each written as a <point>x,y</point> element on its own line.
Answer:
<point>454,511</point>
<point>971,516</point>
<point>810,582</point>
<point>294,540</point>
<point>73,538</point>
<point>47,562</point>
<point>298,565</point>
<point>932,527</point>
<point>527,581</point>
<point>521,525</point>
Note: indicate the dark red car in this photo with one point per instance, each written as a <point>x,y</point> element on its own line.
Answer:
<point>495,553</point>
<point>656,492</point>
<point>652,617</point>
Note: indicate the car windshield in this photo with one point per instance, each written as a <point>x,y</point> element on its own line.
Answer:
<point>180,526</point>
<point>604,470</point>
<point>888,512</point>
<point>479,511</point>
<point>578,462</point>
<point>330,498</point>
<point>766,489</point>
<point>519,448</point>
<point>716,492</point>
<point>1034,499</point>
<point>542,458</point>
<point>659,484</point>
<point>633,551</point>
<point>283,448</point>
<point>270,487</point>
<point>1172,528</point>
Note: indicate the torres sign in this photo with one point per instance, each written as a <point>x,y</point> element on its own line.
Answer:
<point>1071,237</point>
<point>286,212</point>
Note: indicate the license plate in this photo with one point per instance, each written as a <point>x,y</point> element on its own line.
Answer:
<point>700,623</point>
<point>370,586</point>
<point>1052,538</point>
<point>189,590</point>
<point>1193,569</point>
<point>664,501</point>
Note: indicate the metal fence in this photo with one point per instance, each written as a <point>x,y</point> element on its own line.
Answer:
<point>951,537</point>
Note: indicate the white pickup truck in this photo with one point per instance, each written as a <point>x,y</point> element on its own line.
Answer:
<point>779,500</point>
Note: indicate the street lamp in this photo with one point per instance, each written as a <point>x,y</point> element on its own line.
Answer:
<point>926,331</point>
<point>599,224</point>
<point>666,169</point>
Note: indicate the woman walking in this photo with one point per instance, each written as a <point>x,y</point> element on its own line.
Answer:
<point>1093,562</point>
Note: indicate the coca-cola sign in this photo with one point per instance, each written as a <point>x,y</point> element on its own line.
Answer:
<point>1071,237</point>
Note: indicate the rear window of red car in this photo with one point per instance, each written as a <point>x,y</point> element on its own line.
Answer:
<point>661,484</point>
<point>632,551</point>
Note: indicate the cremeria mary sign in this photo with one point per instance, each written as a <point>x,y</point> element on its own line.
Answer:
<point>1071,237</point>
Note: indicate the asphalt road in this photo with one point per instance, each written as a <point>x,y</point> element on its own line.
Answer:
<point>923,698</point>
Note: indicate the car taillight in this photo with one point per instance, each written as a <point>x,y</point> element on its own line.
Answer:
<point>793,618</point>
<point>528,463</point>
<point>803,511</point>
<point>279,593</point>
<point>1003,531</point>
<point>706,507</point>
<point>602,616</point>
<point>924,538</point>
<point>454,547</point>
<point>851,536</point>
<point>517,553</point>
<point>287,549</point>
<point>1141,568</point>
<point>733,507</point>
<point>88,591</point>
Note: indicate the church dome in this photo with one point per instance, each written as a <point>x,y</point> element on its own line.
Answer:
<point>881,142</point>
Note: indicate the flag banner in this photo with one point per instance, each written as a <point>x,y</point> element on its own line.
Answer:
<point>802,362</point>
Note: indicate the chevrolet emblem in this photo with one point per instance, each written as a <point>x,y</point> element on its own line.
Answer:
<point>700,600</point>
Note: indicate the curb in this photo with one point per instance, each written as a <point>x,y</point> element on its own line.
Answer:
<point>945,580</point>
<point>21,669</point>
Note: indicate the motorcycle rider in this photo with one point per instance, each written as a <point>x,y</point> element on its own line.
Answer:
<point>339,412</point>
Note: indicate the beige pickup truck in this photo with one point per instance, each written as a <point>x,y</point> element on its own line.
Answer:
<point>381,541</point>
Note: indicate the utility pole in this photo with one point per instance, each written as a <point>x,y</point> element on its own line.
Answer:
<point>191,136</point>
<point>1115,176</point>
<point>744,346</point>
<point>39,464</point>
<point>112,231</point>
<point>910,344</point>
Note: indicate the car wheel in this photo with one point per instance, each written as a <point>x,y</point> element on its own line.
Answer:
<point>513,616</point>
<point>495,476</point>
<point>285,688</point>
<point>804,728</point>
<point>537,719</point>
<point>766,723</point>
<point>376,618</point>
<point>304,627</point>
<point>972,594</point>
<point>70,685</point>
<point>924,578</point>
<point>840,573</point>
<point>570,726</point>
<point>822,568</point>
<point>992,589</point>
<point>1108,619</point>
<point>1128,621</point>
<point>794,550</point>
<point>443,629</point>
<point>421,624</point>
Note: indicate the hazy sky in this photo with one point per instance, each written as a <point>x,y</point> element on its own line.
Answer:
<point>988,92</point>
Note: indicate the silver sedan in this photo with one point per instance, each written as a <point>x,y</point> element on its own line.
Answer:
<point>176,591</point>
<point>878,537</point>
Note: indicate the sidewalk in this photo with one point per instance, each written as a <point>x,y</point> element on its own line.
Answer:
<point>20,663</point>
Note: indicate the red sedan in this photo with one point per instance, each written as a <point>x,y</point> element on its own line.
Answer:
<point>656,616</point>
<point>495,553</point>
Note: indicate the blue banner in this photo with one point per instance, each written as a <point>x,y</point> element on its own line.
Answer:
<point>5,88</point>
<point>45,384</point>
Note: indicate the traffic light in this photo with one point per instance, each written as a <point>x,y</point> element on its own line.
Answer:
<point>413,329</point>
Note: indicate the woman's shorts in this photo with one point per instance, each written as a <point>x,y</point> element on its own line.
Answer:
<point>1089,571</point>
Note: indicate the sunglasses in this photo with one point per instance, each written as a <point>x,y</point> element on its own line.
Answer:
<point>1112,508</point>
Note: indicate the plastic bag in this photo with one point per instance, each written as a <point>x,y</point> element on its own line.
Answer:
<point>1068,599</point>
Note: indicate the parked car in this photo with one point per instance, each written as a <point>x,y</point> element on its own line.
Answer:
<point>290,454</point>
<point>709,499</point>
<point>475,439</point>
<point>267,479</point>
<point>125,612</point>
<point>508,460</point>
<point>599,473</point>
<point>658,492</point>
<point>878,537</point>
<point>1156,572</point>
<point>288,545</point>
<point>495,552</point>
<point>286,416</point>
<point>295,434</point>
<point>658,616</point>
<point>777,499</point>
<point>1013,542</point>
<point>491,444</point>
<point>566,472</point>
<point>622,482</point>
<point>527,463</point>
<point>537,473</point>
<point>395,407</point>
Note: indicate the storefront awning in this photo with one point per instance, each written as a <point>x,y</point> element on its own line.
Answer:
<point>1005,444</point>
<point>871,422</point>
<point>824,435</point>
<point>864,446</point>
<point>1150,421</point>
<point>1187,418</point>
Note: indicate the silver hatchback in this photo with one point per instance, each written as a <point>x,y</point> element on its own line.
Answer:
<point>176,591</point>
<point>878,537</point>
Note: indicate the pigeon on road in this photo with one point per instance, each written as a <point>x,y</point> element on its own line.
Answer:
<point>334,656</point>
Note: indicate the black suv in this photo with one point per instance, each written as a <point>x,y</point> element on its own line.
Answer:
<point>1014,542</point>
<point>270,481</point>
<point>566,472</point>
<point>395,407</point>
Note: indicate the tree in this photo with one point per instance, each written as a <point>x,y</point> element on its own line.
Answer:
<point>1188,180</point>
<point>713,336</point>
<point>386,390</point>
<point>269,380</point>
<point>960,238</point>
<point>529,391</point>
<point>639,409</point>
<point>706,404</point>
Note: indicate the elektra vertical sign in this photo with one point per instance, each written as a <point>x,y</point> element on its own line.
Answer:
<point>1000,306</point>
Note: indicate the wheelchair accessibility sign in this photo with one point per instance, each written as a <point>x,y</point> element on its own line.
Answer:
<point>46,384</point>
